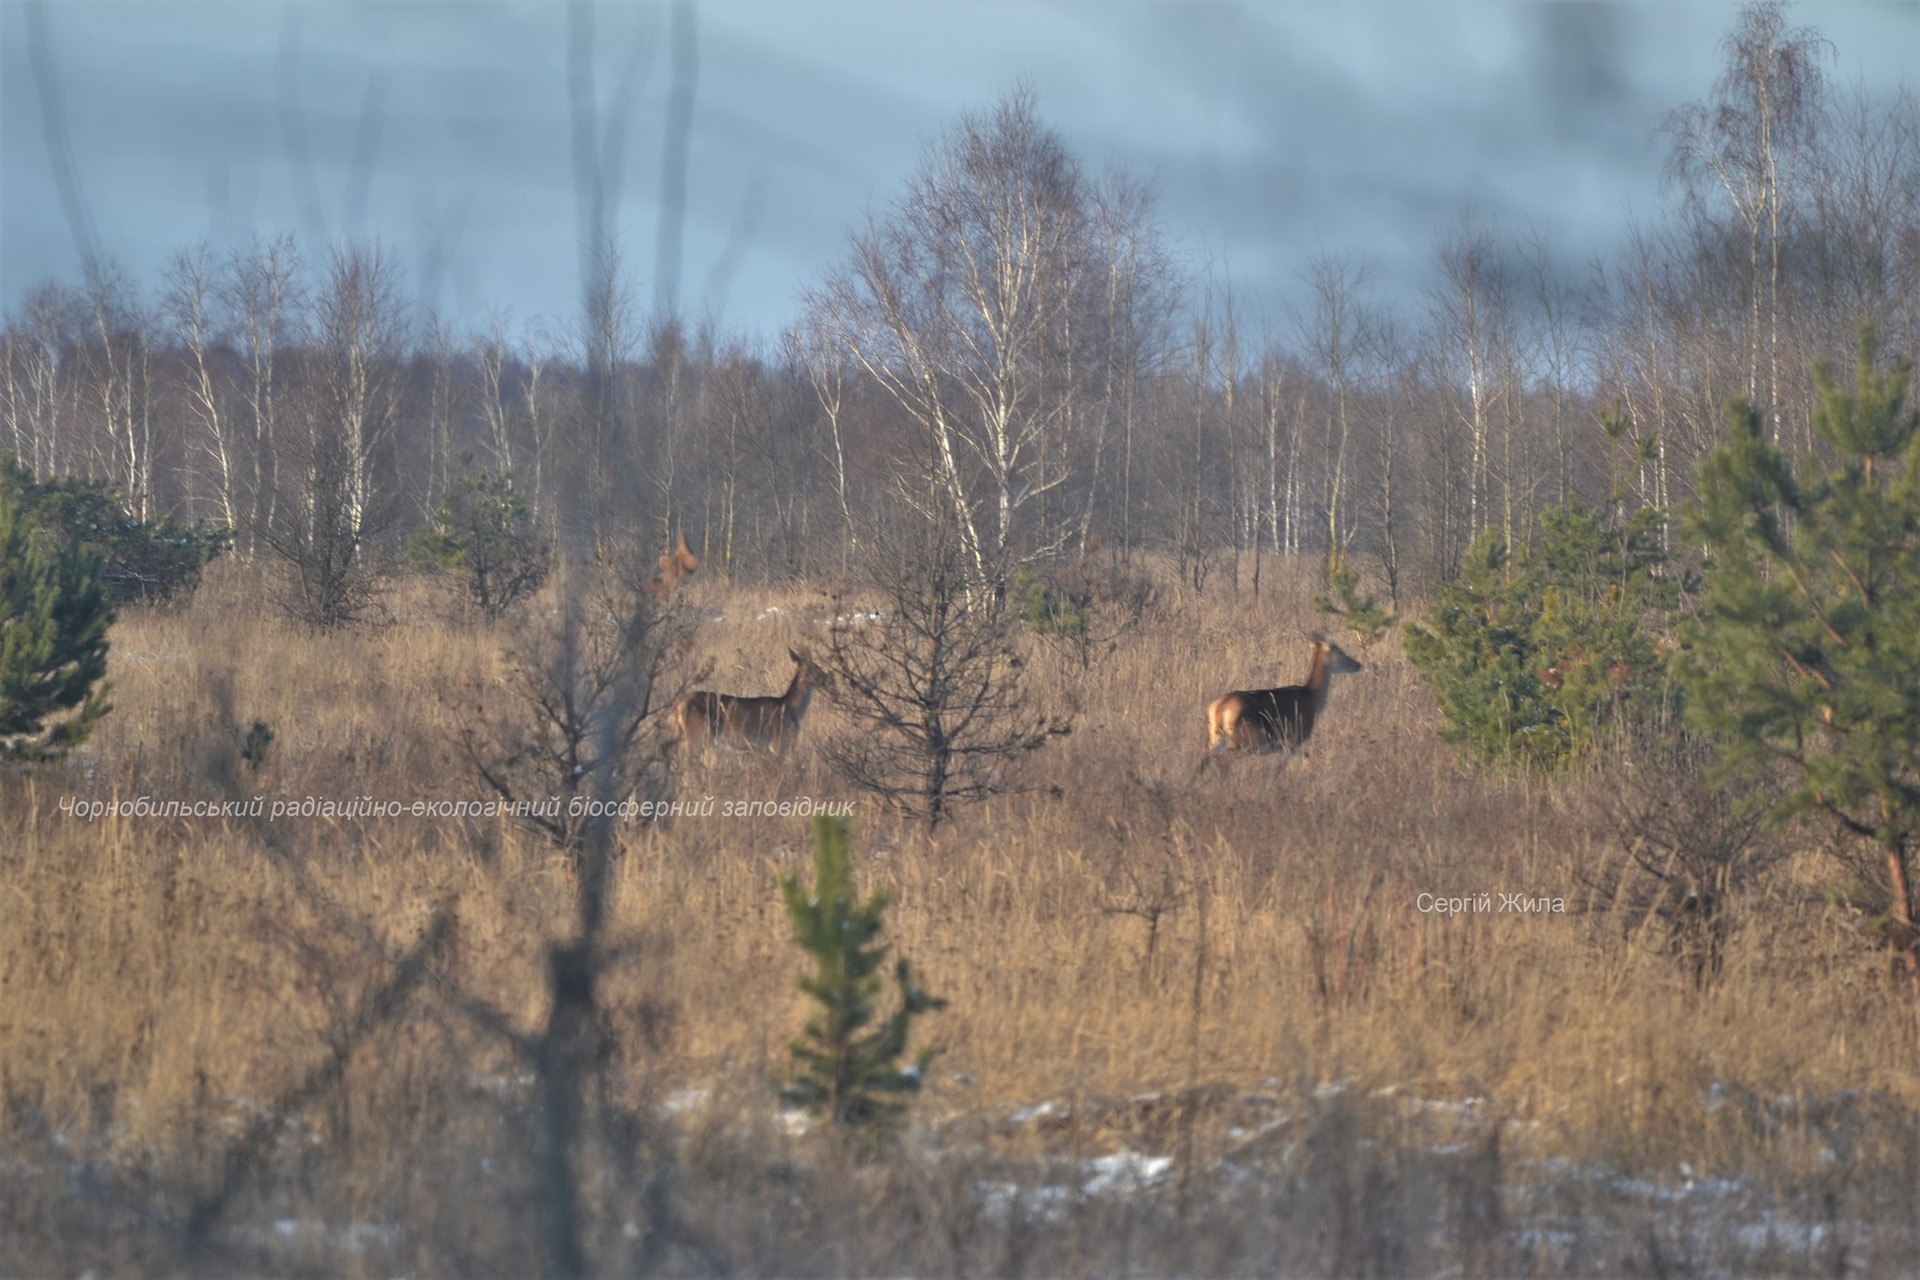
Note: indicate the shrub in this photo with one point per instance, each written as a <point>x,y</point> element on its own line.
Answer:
<point>141,561</point>
<point>54,616</point>
<point>1532,656</point>
<point>1081,607</point>
<point>484,533</point>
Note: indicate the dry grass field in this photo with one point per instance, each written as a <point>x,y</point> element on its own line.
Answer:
<point>1198,1025</point>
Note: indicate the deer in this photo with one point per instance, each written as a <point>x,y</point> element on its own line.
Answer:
<point>1269,720</point>
<point>751,724</point>
<point>675,565</point>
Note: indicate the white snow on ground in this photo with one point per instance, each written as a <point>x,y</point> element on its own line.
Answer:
<point>320,1237</point>
<point>681,1101</point>
<point>1124,1173</point>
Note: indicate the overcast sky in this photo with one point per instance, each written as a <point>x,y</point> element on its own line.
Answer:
<point>1274,131</point>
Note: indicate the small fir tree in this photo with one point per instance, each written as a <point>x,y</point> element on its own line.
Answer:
<point>483,532</point>
<point>1052,609</point>
<point>1807,652</point>
<point>54,616</point>
<point>847,1072</point>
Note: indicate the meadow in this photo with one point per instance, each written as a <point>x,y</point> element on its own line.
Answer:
<point>1210,1023</point>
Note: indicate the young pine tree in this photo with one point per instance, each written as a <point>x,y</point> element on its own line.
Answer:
<point>54,616</point>
<point>1534,656</point>
<point>1365,616</point>
<point>847,1072</point>
<point>483,532</point>
<point>1807,652</point>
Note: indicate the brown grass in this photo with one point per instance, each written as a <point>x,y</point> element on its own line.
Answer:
<point>1230,969</point>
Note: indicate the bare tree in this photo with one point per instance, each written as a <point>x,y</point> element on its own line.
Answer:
<point>1863,234</point>
<point>445,401</point>
<point>580,716</point>
<point>824,365</point>
<point>959,304</point>
<point>264,296</point>
<point>190,298</point>
<point>1556,354</point>
<point>492,360</point>
<point>1471,314</point>
<point>1391,382</point>
<point>1139,294</point>
<point>1749,143</point>
<point>344,493</point>
<point>1281,440</point>
<point>537,356</point>
<point>1194,545</point>
<point>116,370</point>
<point>36,393</point>
<point>1338,332</point>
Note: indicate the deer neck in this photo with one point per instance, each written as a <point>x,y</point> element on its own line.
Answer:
<point>798,695</point>
<point>1318,678</point>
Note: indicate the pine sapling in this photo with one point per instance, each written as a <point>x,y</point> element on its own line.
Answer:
<point>1365,616</point>
<point>846,1071</point>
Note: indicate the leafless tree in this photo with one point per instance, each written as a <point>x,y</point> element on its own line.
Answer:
<point>1339,334</point>
<point>823,364</point>
<point>1139,295</point>
<point>1748,143</point>
<point>1863,227</point>
<point>1195,542</point>
<point>1391,383</point>
<point>1556,354</point>
<point>960,302</point>
<point>445,400</point>
<point>37,395</point>
<point>1471,314</point>
<point>264,295</point>
<point>344,493</point>
<point>190,303</point>
<point>492,360</point>
<point>116,371</point>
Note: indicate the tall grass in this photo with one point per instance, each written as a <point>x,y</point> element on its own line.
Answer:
<point>1230,968</point>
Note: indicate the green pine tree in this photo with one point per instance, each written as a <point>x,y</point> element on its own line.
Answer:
<point>141,561</point>
<point>1365,616</point>
<point>847,1072</point>
<point>1532,656</point>
<point>1807,651</point>
<point>483,532</point>
<point>54,616</point>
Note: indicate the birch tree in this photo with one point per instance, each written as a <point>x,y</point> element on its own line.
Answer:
<point>958,302</point>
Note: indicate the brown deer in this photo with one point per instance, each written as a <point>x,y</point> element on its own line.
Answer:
<point>1268,720</point>
<point>674,566</point>
<point>750,724</point>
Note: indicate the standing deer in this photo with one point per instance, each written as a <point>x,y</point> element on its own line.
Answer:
<point>1266,720</point>
<point>750,724</point>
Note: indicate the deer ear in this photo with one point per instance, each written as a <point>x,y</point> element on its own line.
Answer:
<point>797,657</point>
